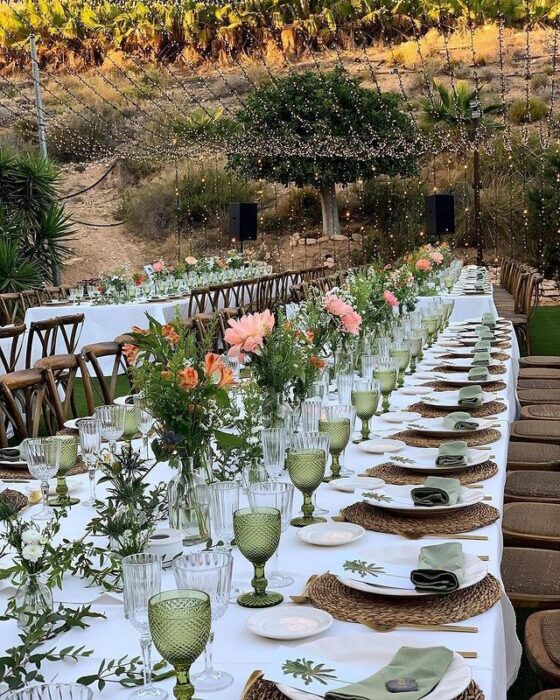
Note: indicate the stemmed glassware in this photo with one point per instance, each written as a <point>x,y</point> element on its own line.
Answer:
<point>431,326</point>
<point>369,363</point>
<point>307,462</point>
<point>68,457</point>
<point>180,626</point>
<point>90,447</point>
<point>43,459</point>
<point>344,381</point>
<point>257,534</point>
<point>52,691</point>
<point>338,422</point>
<point>365,399</point>
<point>209,572</point>
<point>276,495</point>
<point>111,419</point>
<point>383,345</point>
<point>386,373</point>
<point>416,342</point>
<point>310,413</point>
<point>401,352</point>
<point>274,451</point>
<point>144,419</point>
<point>224,501</point>
<point>141,581</point>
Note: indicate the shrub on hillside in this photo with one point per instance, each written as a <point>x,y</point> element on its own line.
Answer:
<point>522,113</point>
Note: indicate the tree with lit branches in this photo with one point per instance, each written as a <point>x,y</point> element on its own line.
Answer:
<point>322,129</point>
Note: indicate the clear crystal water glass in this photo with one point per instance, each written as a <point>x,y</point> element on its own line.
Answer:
<point>90,447</point>
<point>43,460</point>
<point>365,399</point>
<point>274,442</point>
<point>344,382</point>
<point>144,419</point>
<point>307,462</point>
<point>337,421</point>
<point>317,389</point>
<point>53,691</point>
<point>141,581</point>
<point>275,495</point>
<point>208,571</point>
<point>310,413</point>
<point>383,345</point>
<point>369,362</point>
<point>111,419</point>
<point>224,501</point>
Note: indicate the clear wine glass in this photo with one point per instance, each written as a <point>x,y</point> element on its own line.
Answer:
<point>144,419</point>
<point>224,501</point>
<point>90,447</point>
<point>43,459</point>
<point>111,419</point>
<point>274,451</point>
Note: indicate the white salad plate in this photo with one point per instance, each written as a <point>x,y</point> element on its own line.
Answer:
<point>380,446</point>
<point>331,534</point>
<point>288,622</point>
<point>350,484</point>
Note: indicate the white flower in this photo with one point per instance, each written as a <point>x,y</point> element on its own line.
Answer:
<point>31,536</point>
<point>32,552</point>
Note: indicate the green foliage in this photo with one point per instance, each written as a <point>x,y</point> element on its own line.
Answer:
<point>309,671</point>
<point>522,113</point>
<point>204,125</point>
<point>360,131</point>
<point>362,568</point>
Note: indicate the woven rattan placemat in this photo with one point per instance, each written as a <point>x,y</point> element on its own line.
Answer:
<point>502,356</point>
<point>491,408</point>
<point>13,498</point>
<point>414,439</point>
<point>494,369</point>
<point>459,521</point>
<point>379,611</point>
<point>259,689</point>
<point>443,386</point>
<point>25,475</point>
<point>393,474</point>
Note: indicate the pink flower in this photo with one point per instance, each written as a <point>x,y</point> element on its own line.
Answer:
<point>247,334</point>
<point>158,266</point>
<point>388,266</point>
<point>334,305</point>
<point>352,322</point>
<point>390,298</point>
<point>423,265</point>
<point>190,260</point>
<point>436,257</point>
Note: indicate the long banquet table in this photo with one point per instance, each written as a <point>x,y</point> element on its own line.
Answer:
<point>240,652</point>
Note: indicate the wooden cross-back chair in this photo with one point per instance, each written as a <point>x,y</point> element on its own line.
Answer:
<point>45,337</point>
<point>11,348</point>
<point>248,293</point>
<point>93,356</point>
<point>11,308</point>
<point>22,401</point>
<point>209,331</point>
<point>200,302</point>
<point>32,297</point>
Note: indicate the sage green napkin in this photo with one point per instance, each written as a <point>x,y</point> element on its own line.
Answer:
<point>436,491</point>
<point>441,568</point>
<point>10,454</point>
<point>471,395</point>
<point>478,374</point>
<point>481,359</point>
<point>427,667</point>
<point>484,333</point>
<point>452,454</point>
<point>482,345</point>
<point>459,420</point>
<point>489,320</point>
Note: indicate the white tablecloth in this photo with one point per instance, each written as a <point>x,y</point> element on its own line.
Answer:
<point>466,306</point>
<point>240,652</point>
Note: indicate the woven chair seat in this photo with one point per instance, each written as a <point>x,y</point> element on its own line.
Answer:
<point>529,397</point>
<point>517,319</point>
<point>543,411</point>
<point>540,361</point>
<point>536,485</point>
<point>531,577</point>
<point>536,431</point>
<point>539,384</point>
<point>542,647</point>
<point>533,456</point>
<point>547,694</point>
<point>539,373</point>
<point>532,525</point>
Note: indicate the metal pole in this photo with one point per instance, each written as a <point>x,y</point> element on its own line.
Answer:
<point>38,98</point>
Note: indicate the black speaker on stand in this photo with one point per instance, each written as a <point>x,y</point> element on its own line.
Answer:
<point>439,215</point>
<point>243,221</point>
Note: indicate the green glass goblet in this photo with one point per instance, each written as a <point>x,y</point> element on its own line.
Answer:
<point>130,423</point>
<point>68,458</point>
<point>307,461</point>
<point>365,399</point>
<point>416,341</point>
<point>401,353</point>
<point>387,373</point>
<point>257,534</point>
<point>449,282</point>
<point>431,325</point>
<point>180,628</point>
<point>338,422</point>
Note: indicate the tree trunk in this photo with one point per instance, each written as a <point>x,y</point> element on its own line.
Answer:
<point>329,208</point>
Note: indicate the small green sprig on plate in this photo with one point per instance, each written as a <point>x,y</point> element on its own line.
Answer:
<point>309,671</point>
<point>362,568</point>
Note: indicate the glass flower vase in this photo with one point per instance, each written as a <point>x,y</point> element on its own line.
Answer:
<point>32,598</point>
<point>277,412</point>
<point>188,499</point>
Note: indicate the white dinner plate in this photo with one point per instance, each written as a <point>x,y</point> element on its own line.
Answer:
<point>399,500</point>
<point>331,534</point>
<point>436,426</point>
<point>462,379</point>
<point>400,416</point>
<point>415,390</point>
<point>121,400</point>
<point>368,650</point>
<point>289,622</point>
<point>379,446</point>
<point>465,363</point>
<point>474,321</point>
<point>424,375</point>
<point>73,423</point>
<point>424,460</point>
<point>450,399</point>
<point>406,556</point>
<point>350,484</point>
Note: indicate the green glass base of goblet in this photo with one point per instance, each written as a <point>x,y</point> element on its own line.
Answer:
<point>63,501</point>
<point>305,520</point>
<point>260,600</point>
<point>386,404</point>
<point>401,378</point>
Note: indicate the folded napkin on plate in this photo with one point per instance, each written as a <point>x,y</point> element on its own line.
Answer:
<point>482,345</point>
<point>484,333</point>
<point>489,320</point>
<point>471,395</point>
<point>10,454</point>
<point>451,454</point>
<point>459,420</point>
<point>481,359</point>
<point>441,568</point>
<point>478,374</point>
<point>425,667</point>
<point>436,491</point>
